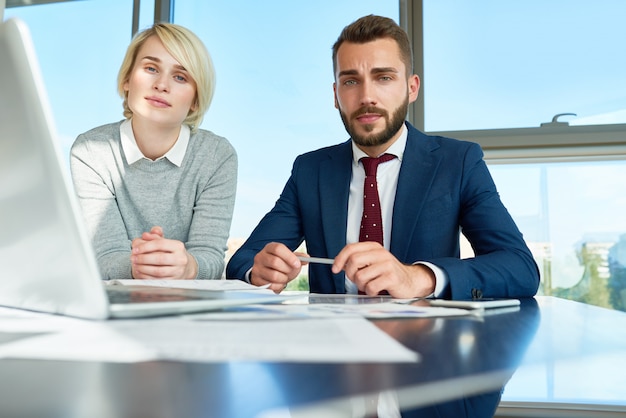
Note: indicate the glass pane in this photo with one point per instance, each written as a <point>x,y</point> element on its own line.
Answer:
<point>502,64</point>
<point>146,14</point>
<point>274,96</point>
<point>80,72</point>
<point>572,217</point>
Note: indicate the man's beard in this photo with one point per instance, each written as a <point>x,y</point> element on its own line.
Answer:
<point>392,126</point>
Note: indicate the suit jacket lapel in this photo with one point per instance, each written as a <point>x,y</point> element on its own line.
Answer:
<point>335,174</point>
<point>419,166</point>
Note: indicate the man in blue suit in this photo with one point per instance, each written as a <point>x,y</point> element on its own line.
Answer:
<point>431,190</point>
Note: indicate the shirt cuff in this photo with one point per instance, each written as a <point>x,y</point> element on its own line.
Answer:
<point>441,278</point>
<point>247,276</point>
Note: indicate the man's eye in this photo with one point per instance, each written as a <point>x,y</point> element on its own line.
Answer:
<point>349,83</point>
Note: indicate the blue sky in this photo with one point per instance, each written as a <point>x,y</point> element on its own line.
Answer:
<point>503,64</point>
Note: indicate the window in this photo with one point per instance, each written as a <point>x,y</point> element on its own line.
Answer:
<point>571,215</point>
<point>80,72</point>
<point>274,94</point>
<point>494,65</point>
<point>497,73</point>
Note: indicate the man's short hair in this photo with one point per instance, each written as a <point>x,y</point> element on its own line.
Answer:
<point>371,28</point>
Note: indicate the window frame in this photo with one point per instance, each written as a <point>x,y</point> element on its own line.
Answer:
<point>553,141</point>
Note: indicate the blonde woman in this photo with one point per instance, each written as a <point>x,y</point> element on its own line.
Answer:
<point>157,193</point>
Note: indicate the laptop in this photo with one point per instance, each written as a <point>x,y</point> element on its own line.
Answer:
<point>47,263</point>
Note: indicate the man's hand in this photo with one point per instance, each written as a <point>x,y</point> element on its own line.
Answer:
<point>155,257</point>
<point>374,269</point>
<point>275,265</point>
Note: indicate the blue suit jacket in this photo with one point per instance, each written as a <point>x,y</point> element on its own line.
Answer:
<point>444,187</point>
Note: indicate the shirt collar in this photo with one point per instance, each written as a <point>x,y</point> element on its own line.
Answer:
<point>397,148</point>
<point>133,154</point>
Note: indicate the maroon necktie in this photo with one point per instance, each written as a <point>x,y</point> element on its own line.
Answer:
<point>372,222</point>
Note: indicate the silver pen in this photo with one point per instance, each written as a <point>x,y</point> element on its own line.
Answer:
<point>316,260</point>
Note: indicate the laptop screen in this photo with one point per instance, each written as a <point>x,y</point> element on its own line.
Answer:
<point>47,262</point>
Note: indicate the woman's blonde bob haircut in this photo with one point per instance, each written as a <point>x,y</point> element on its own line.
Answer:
<point>189,51</point>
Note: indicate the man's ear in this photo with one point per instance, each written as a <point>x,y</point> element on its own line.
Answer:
<point>414,87</point>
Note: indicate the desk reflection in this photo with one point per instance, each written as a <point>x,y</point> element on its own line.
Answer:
<point>465,364</point>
